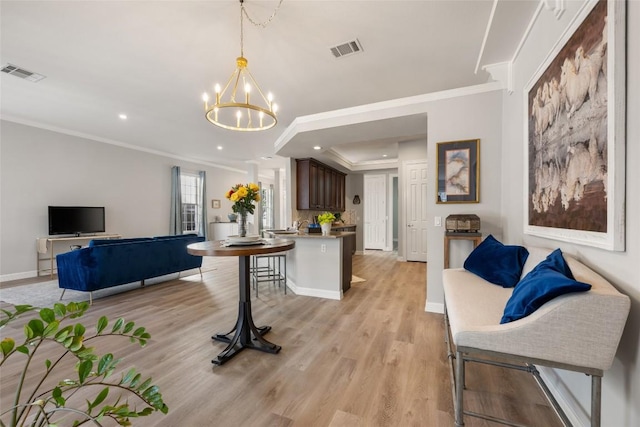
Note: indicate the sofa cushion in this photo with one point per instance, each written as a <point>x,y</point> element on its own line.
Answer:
<point>176,236</point>
<point>549,279</point>
<point>497,263</point>
<point>102,242</point>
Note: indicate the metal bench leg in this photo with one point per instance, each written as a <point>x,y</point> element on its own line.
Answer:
<point>200,268</point>
<point>62,294</point>
<point>596,397</point>
<point>459,411</point>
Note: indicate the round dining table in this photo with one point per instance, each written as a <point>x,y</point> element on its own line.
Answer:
<point>244,334</point>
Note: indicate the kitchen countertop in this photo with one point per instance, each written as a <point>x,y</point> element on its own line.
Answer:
<point>304,235</point>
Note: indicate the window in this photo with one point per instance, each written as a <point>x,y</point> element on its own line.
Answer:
<point>191,209</point>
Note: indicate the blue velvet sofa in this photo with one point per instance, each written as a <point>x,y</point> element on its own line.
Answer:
<point>112,262</point>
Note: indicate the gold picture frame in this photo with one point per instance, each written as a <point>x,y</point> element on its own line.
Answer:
<point>458,171</point>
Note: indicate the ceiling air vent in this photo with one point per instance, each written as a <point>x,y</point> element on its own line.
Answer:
<point>22,73</point>
<point>346,49</point>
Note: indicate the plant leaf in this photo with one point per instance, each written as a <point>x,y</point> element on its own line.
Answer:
<point>37,326</point>
<point>7,345</point>
<point>128,327</point>
<point>28,332</point>
<point>76,344</point>
<point>57,396</point>
<point>84,370</point>
<point>47,315</point>
<point>23,349</point>
<point>79,329</point>
<point>102,324</point>
<point>63,333</point>
<point>100,397</point>
<point>51,329</point>
<point>135,380</point>
<point>105,363</point>
<point>128,376</point>
<point>138,332</point>
<point>118,325</point>
<point>59,309</point>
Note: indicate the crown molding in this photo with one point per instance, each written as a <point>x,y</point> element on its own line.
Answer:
<point>114,142</point>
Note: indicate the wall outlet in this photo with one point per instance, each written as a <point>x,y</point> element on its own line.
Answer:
<point>438,221</point>
<point>323,248</point>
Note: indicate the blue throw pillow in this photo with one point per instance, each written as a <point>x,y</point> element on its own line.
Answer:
<point>549,279</point>
<point>497,263</point>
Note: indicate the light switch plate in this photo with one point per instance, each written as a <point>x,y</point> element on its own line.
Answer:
<point>438,221</point>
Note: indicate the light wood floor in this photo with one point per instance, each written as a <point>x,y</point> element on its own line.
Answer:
<point>376,358</point>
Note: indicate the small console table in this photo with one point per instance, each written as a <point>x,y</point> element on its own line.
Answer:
<point>476,238</point>
<point>50,244</point>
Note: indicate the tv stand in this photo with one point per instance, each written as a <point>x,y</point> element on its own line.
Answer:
<point>50,246</point>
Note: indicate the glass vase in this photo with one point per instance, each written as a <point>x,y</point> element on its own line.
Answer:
<point>242,224</point>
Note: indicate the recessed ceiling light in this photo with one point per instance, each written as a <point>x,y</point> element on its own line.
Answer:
<point>219,147</point>
<point>122,116</point>
<point>266,157</point>
<point>384,155</point>
<point>317,147</point>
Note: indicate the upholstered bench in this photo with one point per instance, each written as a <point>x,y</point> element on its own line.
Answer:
<point>577,331</point>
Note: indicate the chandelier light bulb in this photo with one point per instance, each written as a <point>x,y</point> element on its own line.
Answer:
<point>275,108</point>
<point>205,97</point>
<point>270,97</point>
<point>217,88</point>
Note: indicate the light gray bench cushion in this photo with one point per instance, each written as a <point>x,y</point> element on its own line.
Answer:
<point>579,329</point>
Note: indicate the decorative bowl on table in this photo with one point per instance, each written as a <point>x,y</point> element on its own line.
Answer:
<point>232,217</point>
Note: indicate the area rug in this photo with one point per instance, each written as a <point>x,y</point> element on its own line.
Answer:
<point>356,279</point>
<point>45,294</point>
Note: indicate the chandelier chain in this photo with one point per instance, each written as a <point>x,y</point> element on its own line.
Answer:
<point>265,23</point>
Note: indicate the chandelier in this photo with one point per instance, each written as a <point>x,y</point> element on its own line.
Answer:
<point>241,111</point>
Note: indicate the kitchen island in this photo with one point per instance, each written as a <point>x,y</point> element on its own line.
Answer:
<point>320,266</point>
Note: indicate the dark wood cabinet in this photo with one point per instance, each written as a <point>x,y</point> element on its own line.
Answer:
<point>319,187</point>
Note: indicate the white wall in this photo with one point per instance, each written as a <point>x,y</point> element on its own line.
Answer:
<point>39,168</point>
<point>621,384</point>
<point>467,117</point>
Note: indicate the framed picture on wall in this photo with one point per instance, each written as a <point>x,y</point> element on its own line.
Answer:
<point>574,133</point>
<point>215,204</point>
<point>458,170</point>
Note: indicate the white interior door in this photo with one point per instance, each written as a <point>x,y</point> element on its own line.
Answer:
<point>375,212</point>
<point>416,203</point>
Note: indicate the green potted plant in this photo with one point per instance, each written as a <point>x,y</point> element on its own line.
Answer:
<point>47,394</point>
<point>326,219</point>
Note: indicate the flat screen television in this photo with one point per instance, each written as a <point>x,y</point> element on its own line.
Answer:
<point>76,220</point>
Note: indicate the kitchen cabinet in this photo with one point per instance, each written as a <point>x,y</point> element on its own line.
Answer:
<point>319,187</point>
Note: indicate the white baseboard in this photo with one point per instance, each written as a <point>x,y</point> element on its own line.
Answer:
<point>434,307</point>
<point>571,407</point>
<point>18,276</point>
<point>310,292</point>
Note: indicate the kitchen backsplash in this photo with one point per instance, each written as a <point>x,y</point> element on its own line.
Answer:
<point>349,216</point>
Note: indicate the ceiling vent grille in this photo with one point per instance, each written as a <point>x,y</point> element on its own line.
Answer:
<point>22,73</point>
<point>346,49</point>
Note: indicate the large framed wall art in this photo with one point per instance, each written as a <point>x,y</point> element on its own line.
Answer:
<point>458,169</point>
<point>574,133</point>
